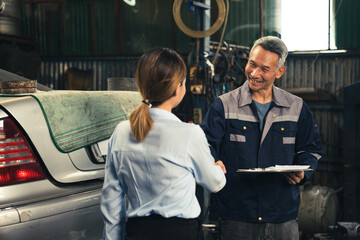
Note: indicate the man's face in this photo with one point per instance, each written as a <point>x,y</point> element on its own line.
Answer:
<point>261,70</point>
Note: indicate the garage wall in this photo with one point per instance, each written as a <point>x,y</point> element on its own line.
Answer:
<point>103,27</point>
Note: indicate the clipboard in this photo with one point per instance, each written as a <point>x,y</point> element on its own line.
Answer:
<point>278,168</point>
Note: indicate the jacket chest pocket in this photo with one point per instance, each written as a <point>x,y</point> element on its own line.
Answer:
<point>240,131</point>
<point>285,131</point>
<point>241,137</point>
<point>283,141</point>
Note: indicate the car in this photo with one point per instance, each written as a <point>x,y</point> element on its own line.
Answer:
<point>52,154</point>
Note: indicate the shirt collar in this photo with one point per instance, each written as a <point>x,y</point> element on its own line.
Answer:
<point>160,114</point>
<point>278,96</point>
<point>245,95</point>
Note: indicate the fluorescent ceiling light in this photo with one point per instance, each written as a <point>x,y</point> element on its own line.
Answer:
<point>130,2</point>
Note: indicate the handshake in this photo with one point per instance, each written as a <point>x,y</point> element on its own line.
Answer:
<point>221,164</point>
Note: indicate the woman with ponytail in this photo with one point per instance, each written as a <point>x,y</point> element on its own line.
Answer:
<point>154,161</point>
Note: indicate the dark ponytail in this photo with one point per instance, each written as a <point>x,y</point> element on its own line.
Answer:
<point>158,74</point>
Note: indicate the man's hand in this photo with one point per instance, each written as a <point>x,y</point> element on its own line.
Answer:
<point>221,164</point>
<point>294,177</point>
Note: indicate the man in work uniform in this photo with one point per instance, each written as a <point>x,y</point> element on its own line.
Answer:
<point>256,126</point>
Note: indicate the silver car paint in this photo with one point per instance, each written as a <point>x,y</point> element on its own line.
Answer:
<point>27,112</point>
<point>64,206</point>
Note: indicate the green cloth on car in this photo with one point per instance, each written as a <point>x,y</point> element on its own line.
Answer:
<point>81,118</point>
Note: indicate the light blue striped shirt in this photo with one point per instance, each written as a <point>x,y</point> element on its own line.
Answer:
<point>158,175</point>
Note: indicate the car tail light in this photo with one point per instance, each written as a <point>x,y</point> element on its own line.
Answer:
<point>17,161</point>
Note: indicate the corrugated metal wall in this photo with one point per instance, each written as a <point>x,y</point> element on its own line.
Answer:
<point>322,71</point>
<point>325,73</point>
<point>243,26</point>
<point>53,71</point>
<point>103,27</point>
<point>105,38</point>
<point>63,28</point>
<point>347,16</point>
<point>111,27</point>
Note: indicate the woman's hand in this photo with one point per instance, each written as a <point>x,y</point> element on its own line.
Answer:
<point>221,164</point>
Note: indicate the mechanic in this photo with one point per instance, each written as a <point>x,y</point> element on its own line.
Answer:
<point>256,126</point>
<point>156,160</point>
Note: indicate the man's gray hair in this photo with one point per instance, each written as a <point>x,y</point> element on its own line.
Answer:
<point>275,45</point>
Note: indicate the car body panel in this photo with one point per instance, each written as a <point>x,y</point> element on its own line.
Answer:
<point>50,207</point>
<point>9,216</point>
<point>83,164</point>
<point>41,190</point>
<point>65,205</point>
<point>27,112</point>
<point>85,223</point>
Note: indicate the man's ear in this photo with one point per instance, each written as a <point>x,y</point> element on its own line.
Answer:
<point>280,72</point>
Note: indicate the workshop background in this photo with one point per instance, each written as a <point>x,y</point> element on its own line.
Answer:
<point>87,44</point>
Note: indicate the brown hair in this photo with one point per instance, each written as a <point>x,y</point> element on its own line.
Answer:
<point>158,73</point>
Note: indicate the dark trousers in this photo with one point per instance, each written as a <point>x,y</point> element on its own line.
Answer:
<point>235,230</point>
<point>155,227</point>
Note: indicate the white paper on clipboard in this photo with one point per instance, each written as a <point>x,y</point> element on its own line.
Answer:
<point>278,168</point>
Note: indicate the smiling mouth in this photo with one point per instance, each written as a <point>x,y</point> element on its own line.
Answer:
<point>254,81</point>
